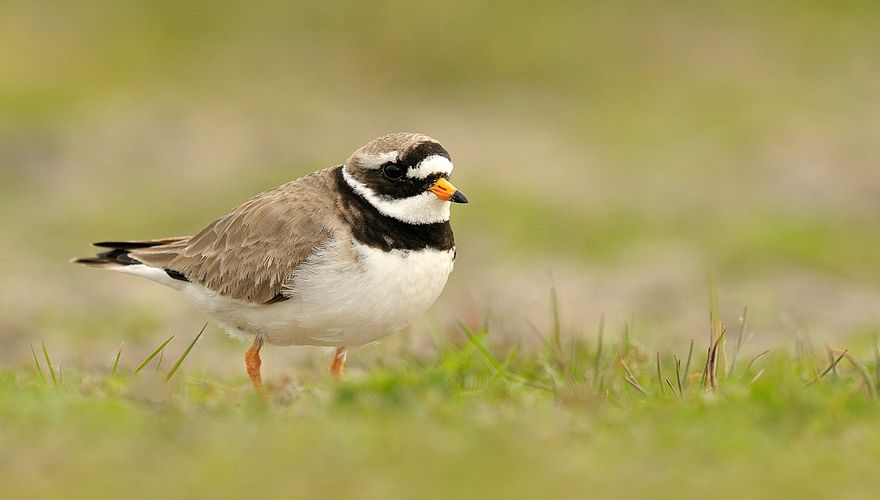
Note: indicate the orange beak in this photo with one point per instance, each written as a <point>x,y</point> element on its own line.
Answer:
<point>444,190</point>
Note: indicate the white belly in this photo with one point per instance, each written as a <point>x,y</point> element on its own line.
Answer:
<point>337,301</point>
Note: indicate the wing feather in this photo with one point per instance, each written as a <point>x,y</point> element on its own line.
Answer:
<point>252,251</point>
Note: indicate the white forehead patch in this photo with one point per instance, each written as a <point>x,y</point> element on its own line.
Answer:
<point>374,161</point>
<point>423,208</point>
<point>431,165</point>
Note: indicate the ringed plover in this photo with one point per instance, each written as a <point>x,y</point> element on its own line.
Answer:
<point>342,257</point>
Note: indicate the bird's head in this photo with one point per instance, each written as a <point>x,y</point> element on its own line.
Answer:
<point>404,176</point>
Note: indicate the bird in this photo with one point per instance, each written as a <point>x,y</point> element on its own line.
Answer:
<point>342,257</point>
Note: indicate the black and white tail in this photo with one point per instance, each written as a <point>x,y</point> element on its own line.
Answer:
<point>119,258</point>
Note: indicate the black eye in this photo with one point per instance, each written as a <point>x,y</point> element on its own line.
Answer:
<point>393,171</point>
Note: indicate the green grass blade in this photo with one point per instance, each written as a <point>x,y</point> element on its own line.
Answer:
<point>687,365</point>
<point>503,372</point>
<point>705,373</point>
<point>37,364</point>
<point>116,360</point>
<point>475,341</point>
<point>185,353</point>
<point>877,364</point>
<point>49,364</point>
<point>496,366</point>
<point>659,374</point>
<point>556,335</point>
<point>678,375</point>
<point>572,358</point>
<point>153,355</point>
<point>599,337</point>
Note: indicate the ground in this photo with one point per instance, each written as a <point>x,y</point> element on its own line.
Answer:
<point>459,423</point>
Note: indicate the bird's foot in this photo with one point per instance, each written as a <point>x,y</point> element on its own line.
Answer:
<point>253,363</point>
<point>338,364</point>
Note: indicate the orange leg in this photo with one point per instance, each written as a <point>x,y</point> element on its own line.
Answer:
<point>338,363</point>
<point>252,362</point>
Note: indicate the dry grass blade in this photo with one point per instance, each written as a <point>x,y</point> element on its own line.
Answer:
<point>626,369</point>
<point>153,355</point>
<point>672,388</point>
<point>758,375</point>
<point>756,358</point>
<point>712,362</point>
<point>831,360</point>
<point>630,378</point>
<point>37,364</point>
<point>826,370</point>
<point>636,385</point>
<point>49,364</point>
<point>863,371</point>
<point>185,353</point>
<point>722,358</point>
<point>739,337</point>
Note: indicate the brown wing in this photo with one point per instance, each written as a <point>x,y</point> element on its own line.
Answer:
<point>249,253</point>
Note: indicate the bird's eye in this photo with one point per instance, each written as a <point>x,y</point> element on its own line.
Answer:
<point>393,171</point>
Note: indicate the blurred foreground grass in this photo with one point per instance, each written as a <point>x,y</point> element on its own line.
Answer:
<point>567,419</point>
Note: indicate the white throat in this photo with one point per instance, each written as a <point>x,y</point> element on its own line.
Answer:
<point>424,208</point>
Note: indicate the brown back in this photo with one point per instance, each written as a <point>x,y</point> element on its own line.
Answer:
<point>249,253</point>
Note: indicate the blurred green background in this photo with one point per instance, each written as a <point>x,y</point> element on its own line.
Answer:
<point>623,151</point>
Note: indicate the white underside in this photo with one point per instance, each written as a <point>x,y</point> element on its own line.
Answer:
<point>333,301</point>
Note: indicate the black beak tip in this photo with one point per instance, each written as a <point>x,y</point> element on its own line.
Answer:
<point>458,197</point>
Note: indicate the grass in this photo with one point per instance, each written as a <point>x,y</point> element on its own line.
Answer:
<point>472,419</point>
